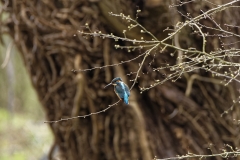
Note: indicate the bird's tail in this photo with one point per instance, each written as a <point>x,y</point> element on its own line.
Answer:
<point>125,100</point>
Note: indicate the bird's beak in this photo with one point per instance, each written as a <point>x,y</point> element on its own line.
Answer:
<point>108,85</point>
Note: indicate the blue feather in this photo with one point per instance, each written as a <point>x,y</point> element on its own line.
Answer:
<point>125,99</point>
<point>122,91</point>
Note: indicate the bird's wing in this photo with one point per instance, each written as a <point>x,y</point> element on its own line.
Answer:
<point>119,90</point>
<point>122,89</point>
<point>117,93</point>
<point>126,89</point>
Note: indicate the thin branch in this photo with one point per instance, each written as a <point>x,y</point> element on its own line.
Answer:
<point>200,156</point>
<point>84,116</point>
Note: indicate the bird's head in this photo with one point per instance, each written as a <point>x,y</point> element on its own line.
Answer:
<point>114,81</point>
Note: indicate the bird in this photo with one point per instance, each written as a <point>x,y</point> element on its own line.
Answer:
<point>121,89</point>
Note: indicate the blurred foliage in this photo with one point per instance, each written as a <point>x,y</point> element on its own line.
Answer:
<point>23,135</point>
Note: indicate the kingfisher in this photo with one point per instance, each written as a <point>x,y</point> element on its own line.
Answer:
<point>121,89</point>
